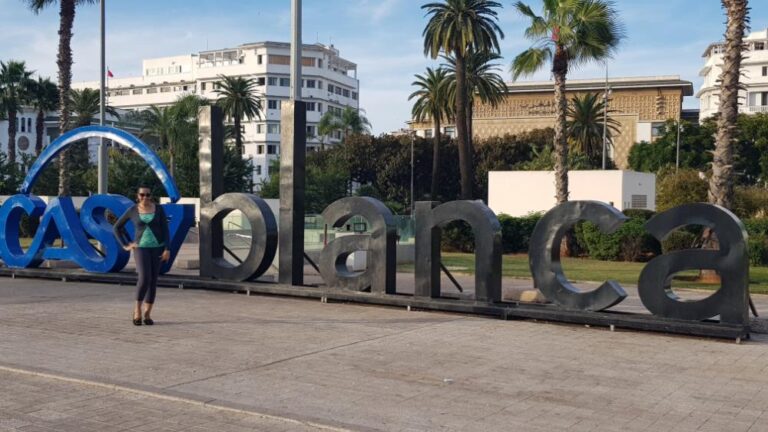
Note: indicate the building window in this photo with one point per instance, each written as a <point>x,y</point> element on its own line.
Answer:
<point>138,91</point>
<point>285,82</point>
<point>272,81</point>
<point>258,167</point>
<point>271,149</point>
<point>354,95</point>
<point>310,106</point>
<point>764,99</point>
<point>319,107</point>
<point>319,84</point>
<point>260,149</point>
<point>261,81</point>
<point>320,63</point>
<point>23,124</point>
<point>428,133</point>
<point>345,92</point>
<point>203,86</point>
<point>451,132</point>
<point>311,83</point>
<point>765,70</point>
<point>260,128</point>
<point>759,46</point>
<point>153,90</point>
<point>29,124</point>
<point>164,90</point>
<point>658,129</point>
<point>273,128</point>
<point>310,131</point>
<point>273,104</point>
<point>338,90</point>
<point>260,60</point>
<point>330,88</point>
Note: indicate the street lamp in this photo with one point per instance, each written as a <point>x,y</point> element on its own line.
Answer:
<point>677,159</point>
<point>103,160</point>
<point>606,97</point>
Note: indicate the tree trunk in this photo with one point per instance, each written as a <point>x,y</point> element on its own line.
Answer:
<point>560,70</point>
<point>435,160</point>
<point>40,130</point>
<point>12,125</point>
<point>238,136</point>
<point>721,182</point>
<point>465,154</point>
<point>470,113</point>
<point>64,62</point>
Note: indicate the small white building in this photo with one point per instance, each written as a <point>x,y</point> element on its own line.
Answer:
<point>754,77</point>
<point>519,193</point>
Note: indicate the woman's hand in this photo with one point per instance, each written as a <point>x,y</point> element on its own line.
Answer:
<point>165,256</point>
<point>131,246</point>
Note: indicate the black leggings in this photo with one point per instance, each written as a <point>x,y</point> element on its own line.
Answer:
<point>148,267</point>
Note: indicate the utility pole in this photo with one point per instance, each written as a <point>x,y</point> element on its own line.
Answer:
<point>677,159</point>
<point>605,116</point>
<point>413,200</point>
<point>296,50</point>
<point>103,160</point>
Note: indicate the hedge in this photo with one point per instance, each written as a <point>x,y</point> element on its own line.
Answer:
<point>515,234</point>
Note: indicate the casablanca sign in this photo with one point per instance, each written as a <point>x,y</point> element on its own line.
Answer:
<point>723,313</point>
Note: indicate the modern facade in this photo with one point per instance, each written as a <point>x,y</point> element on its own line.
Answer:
<point>754,77</point>
<point>329,84</point>
<point>641,105</point>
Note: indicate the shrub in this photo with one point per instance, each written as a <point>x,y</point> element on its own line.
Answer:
<point>756,226</point>
<point>458,237</point>
<point>680,240</point>
<point>750,202</point>
<point>685,187</point>
<point>757,246</point>
<point>516,232</point>
<point>631,242</point>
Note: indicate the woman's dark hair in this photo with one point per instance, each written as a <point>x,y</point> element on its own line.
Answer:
<point>143,186</point>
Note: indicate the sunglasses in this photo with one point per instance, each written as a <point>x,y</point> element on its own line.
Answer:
<point>145,195</point>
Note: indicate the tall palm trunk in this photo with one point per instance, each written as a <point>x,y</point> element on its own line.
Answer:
<point>238,135</point>
<point>721,183</point>
<point>470,113</point>
<point>435,158</point>
<point>560,70</point>
<point>12,125</point>
<point>64,62</point>
<point>465,154</point>
<point>40,130</point>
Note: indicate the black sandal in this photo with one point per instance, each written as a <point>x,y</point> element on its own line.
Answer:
<point>148,321</point>
<point>137,321</point>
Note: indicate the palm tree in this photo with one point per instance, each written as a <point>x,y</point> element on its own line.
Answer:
<point>354,121</point>
<point>721,182</point>
<point>86,105</point>
<point>44,97</point>
<point>168,124</point>
<point>586,119</point>
<point>64,62</point>
<point>567,34</point>
<point>14,90</point>
<point>161,122</point>
<point>483,82</point>
<point>238,98</point>
<point>329,123</point>
<point>433,103</point>
<point>457,28</point>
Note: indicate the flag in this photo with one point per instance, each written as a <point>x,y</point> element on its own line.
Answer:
<point>109,74</point>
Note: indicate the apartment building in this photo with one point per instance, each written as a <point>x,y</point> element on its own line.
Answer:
<point>329,83</point>
<point>754,77</point>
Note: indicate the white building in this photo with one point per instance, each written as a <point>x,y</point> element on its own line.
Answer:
<point>329,84</point>
<point>26,134</point>
<point>519,193</point>
<point>754,77</point>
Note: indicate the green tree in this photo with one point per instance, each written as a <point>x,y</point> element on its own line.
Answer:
<point>328,124</point>
<point>86,106</point>
<point>64,62</point>
<point>15,83</point>
<point>586,120</point>
<point>44,97</point>
<point>432,103</point>
<point>457,28</point>
<point>567,34</point>
<point>722,181</point>
<point>354,121</point>
<point>484,82</point>
<point>696,145</point>
<point>239,99</point>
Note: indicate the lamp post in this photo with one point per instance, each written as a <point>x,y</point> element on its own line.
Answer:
<point>605,116</point>
<point>413,201</point>
<point>103,160</point>
<point>296,50</point>
<point>677,158</point>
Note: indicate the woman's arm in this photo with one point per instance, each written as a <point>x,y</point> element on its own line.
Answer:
<point>119,229</point>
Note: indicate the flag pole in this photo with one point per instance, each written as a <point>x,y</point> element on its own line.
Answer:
<point>103,160</point>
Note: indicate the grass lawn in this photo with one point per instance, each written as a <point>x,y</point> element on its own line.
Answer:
<point>589,270</point>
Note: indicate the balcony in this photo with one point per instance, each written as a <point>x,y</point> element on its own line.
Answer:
<point>753,109</point>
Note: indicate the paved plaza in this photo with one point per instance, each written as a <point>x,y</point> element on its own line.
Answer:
<point>70,360</point>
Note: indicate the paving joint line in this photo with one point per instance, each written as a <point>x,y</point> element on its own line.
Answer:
<point>298,356</point>
<point>210,403</point>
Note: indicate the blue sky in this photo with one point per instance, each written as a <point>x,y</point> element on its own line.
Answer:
<point>664,37</point>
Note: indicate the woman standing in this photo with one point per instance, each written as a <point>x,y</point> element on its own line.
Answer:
<point>149,250</point>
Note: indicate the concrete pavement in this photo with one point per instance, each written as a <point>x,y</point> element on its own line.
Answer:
<point>300,364</point>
